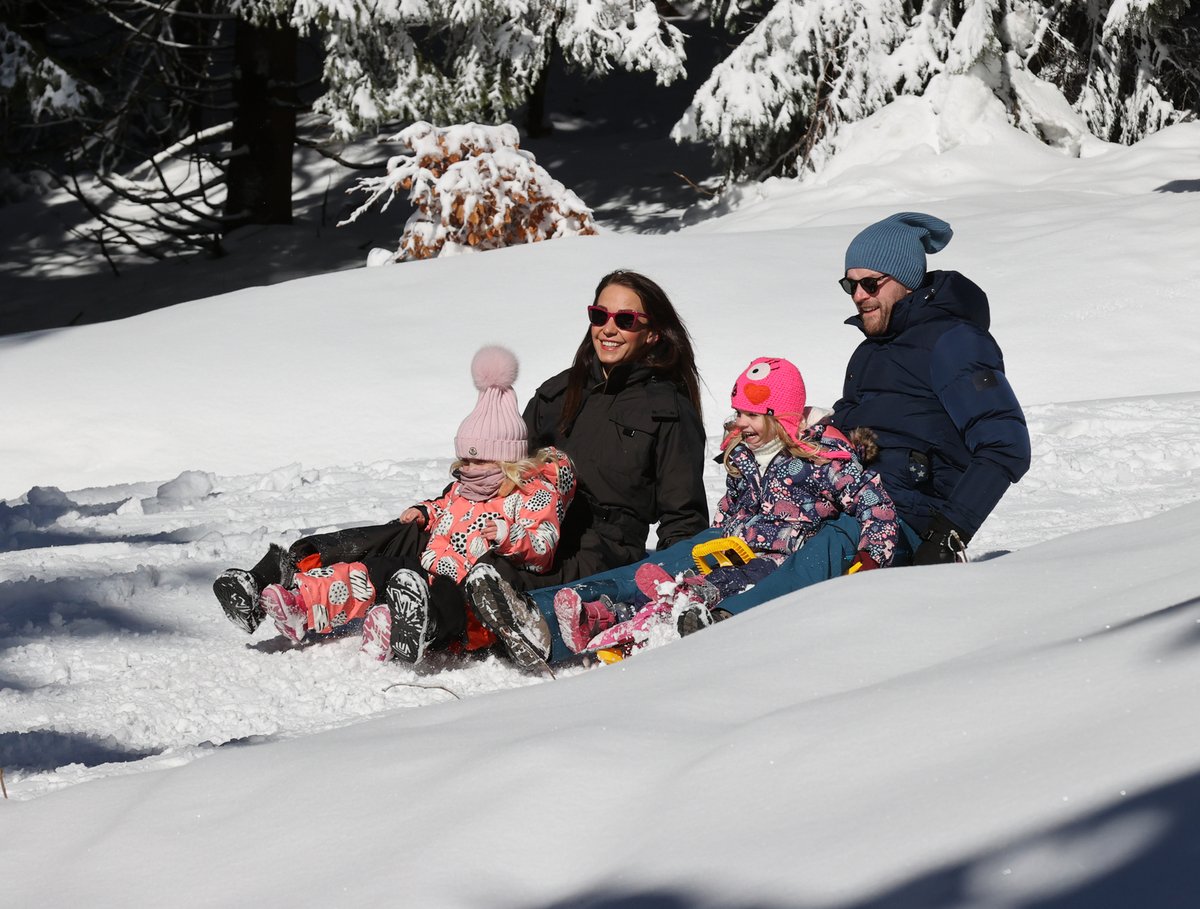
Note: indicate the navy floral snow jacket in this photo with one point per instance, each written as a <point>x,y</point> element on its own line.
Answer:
<point>951,434</point>
<point>776,510</point>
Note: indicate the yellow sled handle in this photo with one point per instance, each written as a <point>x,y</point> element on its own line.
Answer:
<point>722,553</point>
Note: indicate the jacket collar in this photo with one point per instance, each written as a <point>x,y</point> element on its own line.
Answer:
<point>944,293</point>
<point>620,377</point>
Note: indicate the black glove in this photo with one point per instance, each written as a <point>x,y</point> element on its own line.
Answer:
<point>943,541</point>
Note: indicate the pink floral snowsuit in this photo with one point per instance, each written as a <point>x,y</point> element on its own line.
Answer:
<point>523,526</point>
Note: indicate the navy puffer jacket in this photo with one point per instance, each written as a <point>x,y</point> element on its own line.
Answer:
<point>951,434</point>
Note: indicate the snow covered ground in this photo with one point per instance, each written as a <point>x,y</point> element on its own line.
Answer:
<point>1017,732</point>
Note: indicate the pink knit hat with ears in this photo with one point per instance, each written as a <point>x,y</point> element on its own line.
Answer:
<point>494,431</point>
<point>772,385</point>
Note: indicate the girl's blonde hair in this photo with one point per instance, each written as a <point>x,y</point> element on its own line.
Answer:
<point>519,472</point>
<point>774,430</point>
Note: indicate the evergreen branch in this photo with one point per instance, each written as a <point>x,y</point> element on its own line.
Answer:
<point>183,13</point>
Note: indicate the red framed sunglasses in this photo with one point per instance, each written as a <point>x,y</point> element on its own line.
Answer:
<point>625,319</point>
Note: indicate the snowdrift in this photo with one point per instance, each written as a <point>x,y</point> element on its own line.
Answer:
<point>1013,732</point>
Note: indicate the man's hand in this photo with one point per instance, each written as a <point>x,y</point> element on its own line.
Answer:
<point>944,540</point>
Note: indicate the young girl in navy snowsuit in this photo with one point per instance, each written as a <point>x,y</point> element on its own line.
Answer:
<point>785,480</point>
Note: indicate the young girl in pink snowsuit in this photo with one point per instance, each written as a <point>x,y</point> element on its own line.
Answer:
<point>405,579</point>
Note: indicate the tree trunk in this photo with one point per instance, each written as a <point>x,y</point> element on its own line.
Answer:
<point>536,123</point>
<point>259,177</point>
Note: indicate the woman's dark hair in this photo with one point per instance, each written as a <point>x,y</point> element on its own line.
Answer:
<point>671,355</point>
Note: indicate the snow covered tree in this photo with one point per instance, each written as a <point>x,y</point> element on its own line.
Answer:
<point>805,67</point>
<point>473,188</point>
<point>35,88</point>
<point>174,121</point>
<point>1129,67</point>
<point>155,130</point>
<point>453,61</point>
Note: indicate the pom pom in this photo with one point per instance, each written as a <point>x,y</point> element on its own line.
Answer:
<point>494,367</point>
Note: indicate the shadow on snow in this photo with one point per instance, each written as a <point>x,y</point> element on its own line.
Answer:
<point>41,751</point>
<point>1142,851</point>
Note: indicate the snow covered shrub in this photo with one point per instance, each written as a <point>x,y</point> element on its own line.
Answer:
<point>473,187</point>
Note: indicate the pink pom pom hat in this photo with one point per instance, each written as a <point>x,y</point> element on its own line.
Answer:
<point>772,385</point>
<point>494,430</point>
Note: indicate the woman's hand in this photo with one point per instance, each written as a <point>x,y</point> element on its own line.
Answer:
<point>413,513</point>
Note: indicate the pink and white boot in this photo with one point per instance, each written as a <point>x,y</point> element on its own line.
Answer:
<point>287,610</point>
<point>686,591</point>
<point>669,598</point>
<point>632,633</point>
<point>579,622</point>
<point>377,633</point>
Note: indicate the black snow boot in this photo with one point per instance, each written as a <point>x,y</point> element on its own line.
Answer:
<point>238,592</point>
<point>413,622</point>
<point>507,614</point>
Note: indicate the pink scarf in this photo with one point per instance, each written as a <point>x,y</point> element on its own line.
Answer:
<point>479,482</point>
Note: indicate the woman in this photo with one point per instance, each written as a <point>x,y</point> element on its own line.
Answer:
<point>627,412</point>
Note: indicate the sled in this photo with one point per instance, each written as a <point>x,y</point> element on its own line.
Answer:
<point>725,552</point>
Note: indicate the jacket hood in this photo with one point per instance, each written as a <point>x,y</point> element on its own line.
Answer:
<point>944,293</point>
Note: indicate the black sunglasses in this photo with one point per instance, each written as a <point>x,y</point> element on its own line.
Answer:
<point>625,319</point>
<point>869,284</point>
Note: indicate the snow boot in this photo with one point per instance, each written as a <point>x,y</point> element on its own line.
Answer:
<point>237,592</point>
<point>633,633</point>
<point>660,587</point>
<point>654,581</point>
<point>694,618</point>
<point>288,611</point>
<point>515,621</point>
<point>579,622</point>
<point>335,595</point>
<point>287,565</point>
<point>411,624</point>
<point>377,633</point>
<point>671,600</point>
<point>700,610</point>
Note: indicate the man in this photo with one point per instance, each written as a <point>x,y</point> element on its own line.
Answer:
<point>929,381</point>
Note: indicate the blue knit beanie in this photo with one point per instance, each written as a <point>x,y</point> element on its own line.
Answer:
<point>897,246</point>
